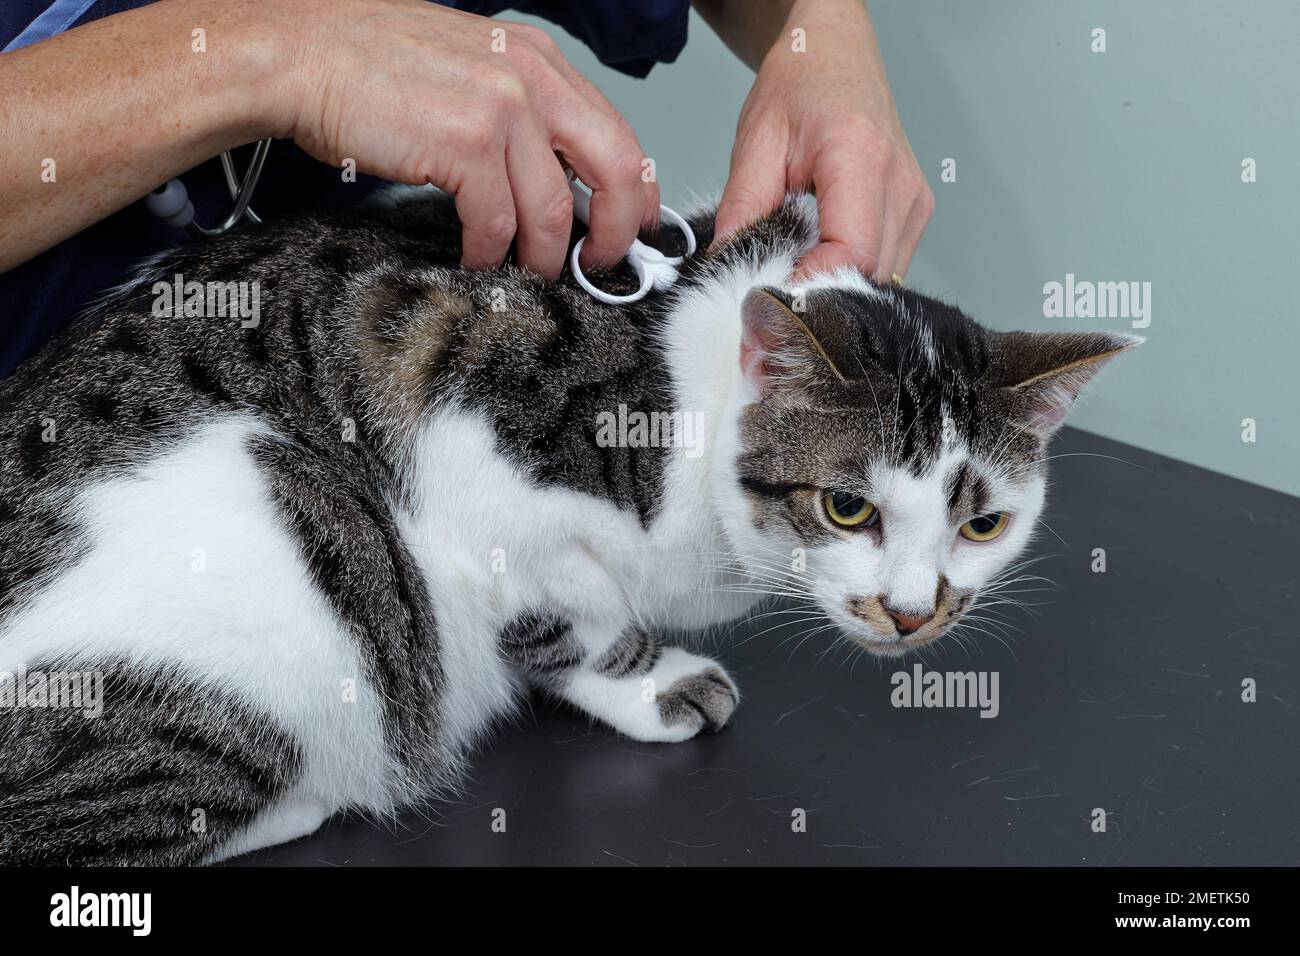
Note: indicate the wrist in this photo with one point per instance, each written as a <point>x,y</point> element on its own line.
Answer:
<point>820,19</point>
<point>261,71</point>
<point>835,35</point>
<point>241,76</point>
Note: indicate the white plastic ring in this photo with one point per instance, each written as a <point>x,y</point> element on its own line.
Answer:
<point>607,297</point>
<point>638,255</point>
<point>685,228</point>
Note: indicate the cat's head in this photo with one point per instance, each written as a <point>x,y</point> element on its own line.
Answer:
<point>892,451</point>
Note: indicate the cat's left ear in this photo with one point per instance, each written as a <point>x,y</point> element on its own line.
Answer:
<point>779,348</point>
<point>1042,373</point>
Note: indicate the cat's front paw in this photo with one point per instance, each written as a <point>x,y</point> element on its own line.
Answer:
<point>702,701</point>
<point>657,695</point>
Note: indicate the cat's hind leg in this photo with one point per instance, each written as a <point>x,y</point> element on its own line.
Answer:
<point>156,769</point>
<point>633,683</point>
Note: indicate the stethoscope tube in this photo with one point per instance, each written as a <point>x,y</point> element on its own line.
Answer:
<point>171,203</point>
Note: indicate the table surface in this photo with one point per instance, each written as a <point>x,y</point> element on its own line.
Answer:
<point>1124,693</point>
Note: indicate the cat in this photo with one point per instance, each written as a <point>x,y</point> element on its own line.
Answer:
<point>313,556</point>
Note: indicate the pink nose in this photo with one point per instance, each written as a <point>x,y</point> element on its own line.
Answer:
<point>907,623</point>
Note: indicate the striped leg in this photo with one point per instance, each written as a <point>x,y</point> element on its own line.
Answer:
<point>171,772</point>
<point>632,683</point>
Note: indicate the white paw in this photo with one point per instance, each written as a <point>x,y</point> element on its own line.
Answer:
<point>680,696</point>
<point>701,701</point>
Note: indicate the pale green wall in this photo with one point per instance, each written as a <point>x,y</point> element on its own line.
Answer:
<point>1124,165</point>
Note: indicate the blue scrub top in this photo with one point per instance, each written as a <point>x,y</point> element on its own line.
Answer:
<point>44,294</point>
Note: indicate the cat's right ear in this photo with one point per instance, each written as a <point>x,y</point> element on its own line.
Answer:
<point>778,349</point>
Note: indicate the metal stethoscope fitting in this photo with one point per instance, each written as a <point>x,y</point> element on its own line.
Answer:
<point>171,203</point>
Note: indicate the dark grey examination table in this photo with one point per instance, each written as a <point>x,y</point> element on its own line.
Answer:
<point>1124,694</point>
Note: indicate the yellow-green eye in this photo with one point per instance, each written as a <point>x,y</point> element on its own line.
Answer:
<point>848,509</point>
<point>985,527</point>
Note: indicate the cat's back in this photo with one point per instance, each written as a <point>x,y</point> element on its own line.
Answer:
<point>206,330</point>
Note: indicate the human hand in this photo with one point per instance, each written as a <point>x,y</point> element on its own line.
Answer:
<point>825,118</point>
<point>419,93</point>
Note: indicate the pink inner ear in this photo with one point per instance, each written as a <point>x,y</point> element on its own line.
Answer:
<point>1047,419</point>
<point>755,356</point>
<point>759,337</point>
<point>751,363</point>
<point>1049,407</point>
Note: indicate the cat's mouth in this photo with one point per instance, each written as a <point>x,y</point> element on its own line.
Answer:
<point>897,646</point>
<point>873,628</point>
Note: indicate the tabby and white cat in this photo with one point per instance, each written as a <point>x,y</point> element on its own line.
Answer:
<point>317,557</point>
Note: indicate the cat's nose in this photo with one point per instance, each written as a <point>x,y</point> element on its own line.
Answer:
<point>906,623</point>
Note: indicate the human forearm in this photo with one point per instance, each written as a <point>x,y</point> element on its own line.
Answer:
<point>750,28</point>
<point>93,119</point>
<point>410,91</point>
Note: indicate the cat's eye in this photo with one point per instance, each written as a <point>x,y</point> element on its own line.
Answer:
<point>985,527</point>
<point>848,509</point>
